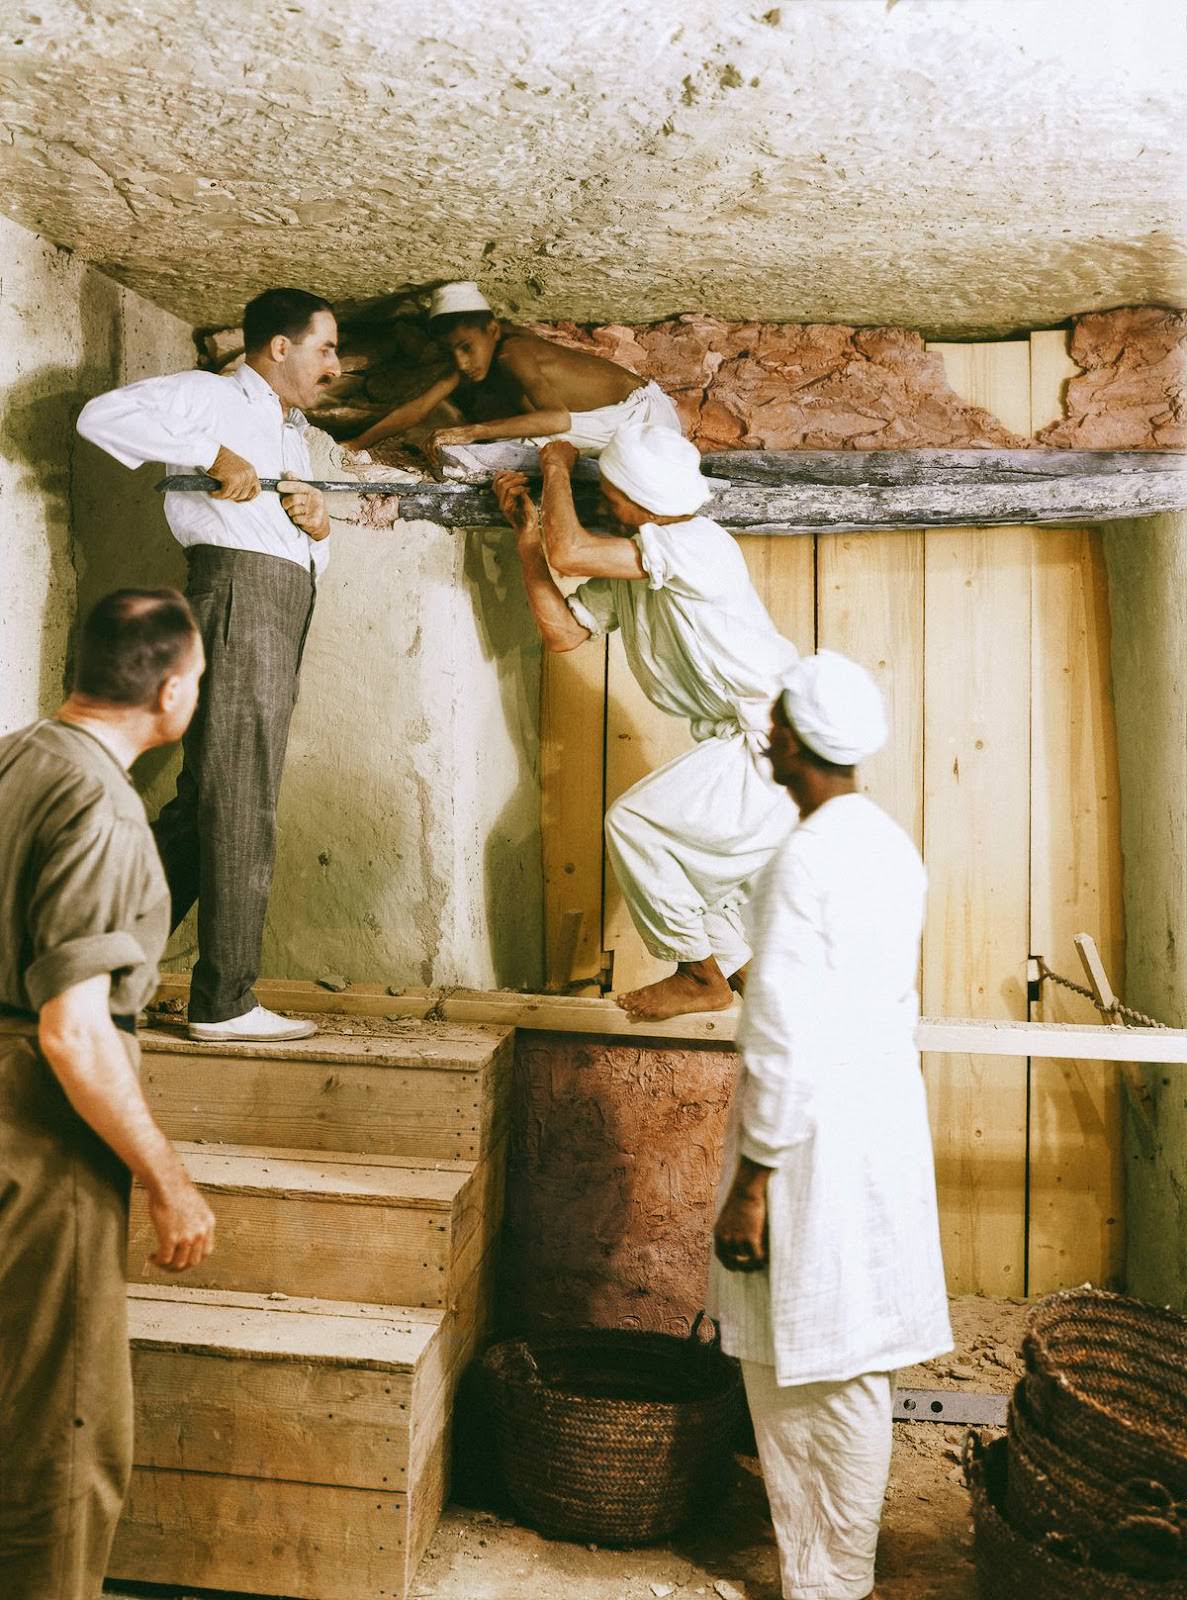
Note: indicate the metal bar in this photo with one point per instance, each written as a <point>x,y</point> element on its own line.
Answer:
<point>201,483</point>
<point>951,1405</point>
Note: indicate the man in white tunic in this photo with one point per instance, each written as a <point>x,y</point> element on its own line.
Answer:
<point>685,840</point>
<point>828,1273</point>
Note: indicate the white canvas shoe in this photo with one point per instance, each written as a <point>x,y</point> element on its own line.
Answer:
<point>257,1026</point>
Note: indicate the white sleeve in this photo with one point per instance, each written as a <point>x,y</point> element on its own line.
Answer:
<point>696,559</point>
<point>783,988</point>
<point>174,419</point>
<point>592,603</point>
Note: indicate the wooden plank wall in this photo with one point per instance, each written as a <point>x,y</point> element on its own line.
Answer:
<point>992,646</point>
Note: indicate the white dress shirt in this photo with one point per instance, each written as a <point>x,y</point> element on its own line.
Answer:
<point>182,421</point>
<point>830,1096</point>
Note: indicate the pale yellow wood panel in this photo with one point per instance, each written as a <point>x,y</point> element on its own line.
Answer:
<point>870,607</point>
<point>996,376</point>
<point>1050,368</point>
<point>572,744</point>
<point>783,570</point>
<point>1076,1167</point>
<point>976,844</point>
<point>307,1540</point>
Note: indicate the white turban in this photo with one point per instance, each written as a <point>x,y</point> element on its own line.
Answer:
<point>835,707</point>
<point>658,468</point>
<point>458,297</point>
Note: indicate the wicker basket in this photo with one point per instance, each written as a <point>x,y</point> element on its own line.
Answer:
<point>1106,1383</point>
<point>1133,1526</point>
<point>1011,1567</point>
<point>613,1436</point>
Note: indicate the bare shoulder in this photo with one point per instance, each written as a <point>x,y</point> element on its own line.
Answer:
<point>520,350</point>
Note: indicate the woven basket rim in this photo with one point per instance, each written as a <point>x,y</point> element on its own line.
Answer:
<point>727,1384</point>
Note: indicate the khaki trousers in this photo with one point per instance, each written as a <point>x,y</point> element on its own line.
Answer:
<point>65,1370</point>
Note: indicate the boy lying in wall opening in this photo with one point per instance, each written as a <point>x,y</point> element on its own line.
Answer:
<point>516,385</point>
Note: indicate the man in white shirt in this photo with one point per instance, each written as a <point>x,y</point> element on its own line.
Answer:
<point>254,559</point>
<point>828,1273</point>
<point>686,839</point>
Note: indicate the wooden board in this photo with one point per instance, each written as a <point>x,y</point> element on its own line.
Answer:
<point>251,1536</point>
<point>322,1418</point>
<point>976,832</point>
<point>371,1229</point>
<point>841,491</point>
<point>336,1094</point>
<point>582,1014</point>
<point>572,805</point>
<point>870,607</point>
<point>1076,1167</point>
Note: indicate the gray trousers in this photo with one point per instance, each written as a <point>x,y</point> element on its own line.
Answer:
<point>217,836</point>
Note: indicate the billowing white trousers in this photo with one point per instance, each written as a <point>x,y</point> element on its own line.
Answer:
<point>686,840</point>
<point>592,431</point>
<point>825,1454</point>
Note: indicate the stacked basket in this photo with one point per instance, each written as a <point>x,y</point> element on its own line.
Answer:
<point>1087,1495</point>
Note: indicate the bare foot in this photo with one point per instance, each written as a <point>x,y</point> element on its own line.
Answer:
<point>694,986</point>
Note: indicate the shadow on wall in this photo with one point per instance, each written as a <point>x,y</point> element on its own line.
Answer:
<point>37,432</point>
<point>513,873</point>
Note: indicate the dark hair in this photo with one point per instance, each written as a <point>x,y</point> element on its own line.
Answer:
<point>445,321</point>
<point>279,311</point>
<point>131,641</point>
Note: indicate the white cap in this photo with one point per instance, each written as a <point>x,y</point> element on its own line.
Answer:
<point>657,467</point>
<point>835,707</point>
<point>465,296</point>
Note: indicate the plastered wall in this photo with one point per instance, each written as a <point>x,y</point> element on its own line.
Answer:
<point>1148,593</point>
<point>65,333</point>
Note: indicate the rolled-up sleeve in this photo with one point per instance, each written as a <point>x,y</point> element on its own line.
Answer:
<point>170,419</point>
<point>81,907</point>
<point>697,559</point>
<point>592,604</point>
<point>777,1087</point>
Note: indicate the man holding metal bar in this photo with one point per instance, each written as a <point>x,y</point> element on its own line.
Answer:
<point>254,559</point>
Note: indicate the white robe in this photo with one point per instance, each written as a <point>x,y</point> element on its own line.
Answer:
<point>686,840</point>
<point>830,1095</point>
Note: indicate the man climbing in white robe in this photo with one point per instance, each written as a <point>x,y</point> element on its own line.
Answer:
<point>828,1273</point>
<point>685,841</point>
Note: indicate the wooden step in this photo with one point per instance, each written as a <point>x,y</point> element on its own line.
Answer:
<point>336,1225</point>
<point>432,1089</point>
<point>287,1446</point>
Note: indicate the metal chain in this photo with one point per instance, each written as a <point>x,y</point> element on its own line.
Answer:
<point>1128,1012</point>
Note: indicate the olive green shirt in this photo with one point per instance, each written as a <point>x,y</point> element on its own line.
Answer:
<point>81,886</point>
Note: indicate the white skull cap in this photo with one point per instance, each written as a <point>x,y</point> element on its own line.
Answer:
<point>465,296</point>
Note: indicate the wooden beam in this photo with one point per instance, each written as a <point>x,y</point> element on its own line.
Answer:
<point>853,491</point>
<point>563,1014</point>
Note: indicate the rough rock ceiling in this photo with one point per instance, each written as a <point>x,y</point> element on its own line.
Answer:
<point>964,166</point>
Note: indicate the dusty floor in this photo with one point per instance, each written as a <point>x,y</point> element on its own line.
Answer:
<point>923,1553</point>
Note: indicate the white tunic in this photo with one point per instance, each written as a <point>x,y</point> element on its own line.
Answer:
<point>831,1097</point>
<point>686,839</point>
<point>182,420</point>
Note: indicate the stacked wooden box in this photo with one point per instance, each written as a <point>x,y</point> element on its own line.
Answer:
<point>294,1398</point>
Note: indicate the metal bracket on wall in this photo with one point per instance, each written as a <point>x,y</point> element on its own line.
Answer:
<point>951,1405</point>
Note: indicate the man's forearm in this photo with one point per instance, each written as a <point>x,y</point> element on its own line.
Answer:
<point>751,1179</point>
<point>529,425</point>
<point>563,532</point>
<point>91,1063</point>
<point>558,627</point>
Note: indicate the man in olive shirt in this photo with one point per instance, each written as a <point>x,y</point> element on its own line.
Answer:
<point>84,915</point>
